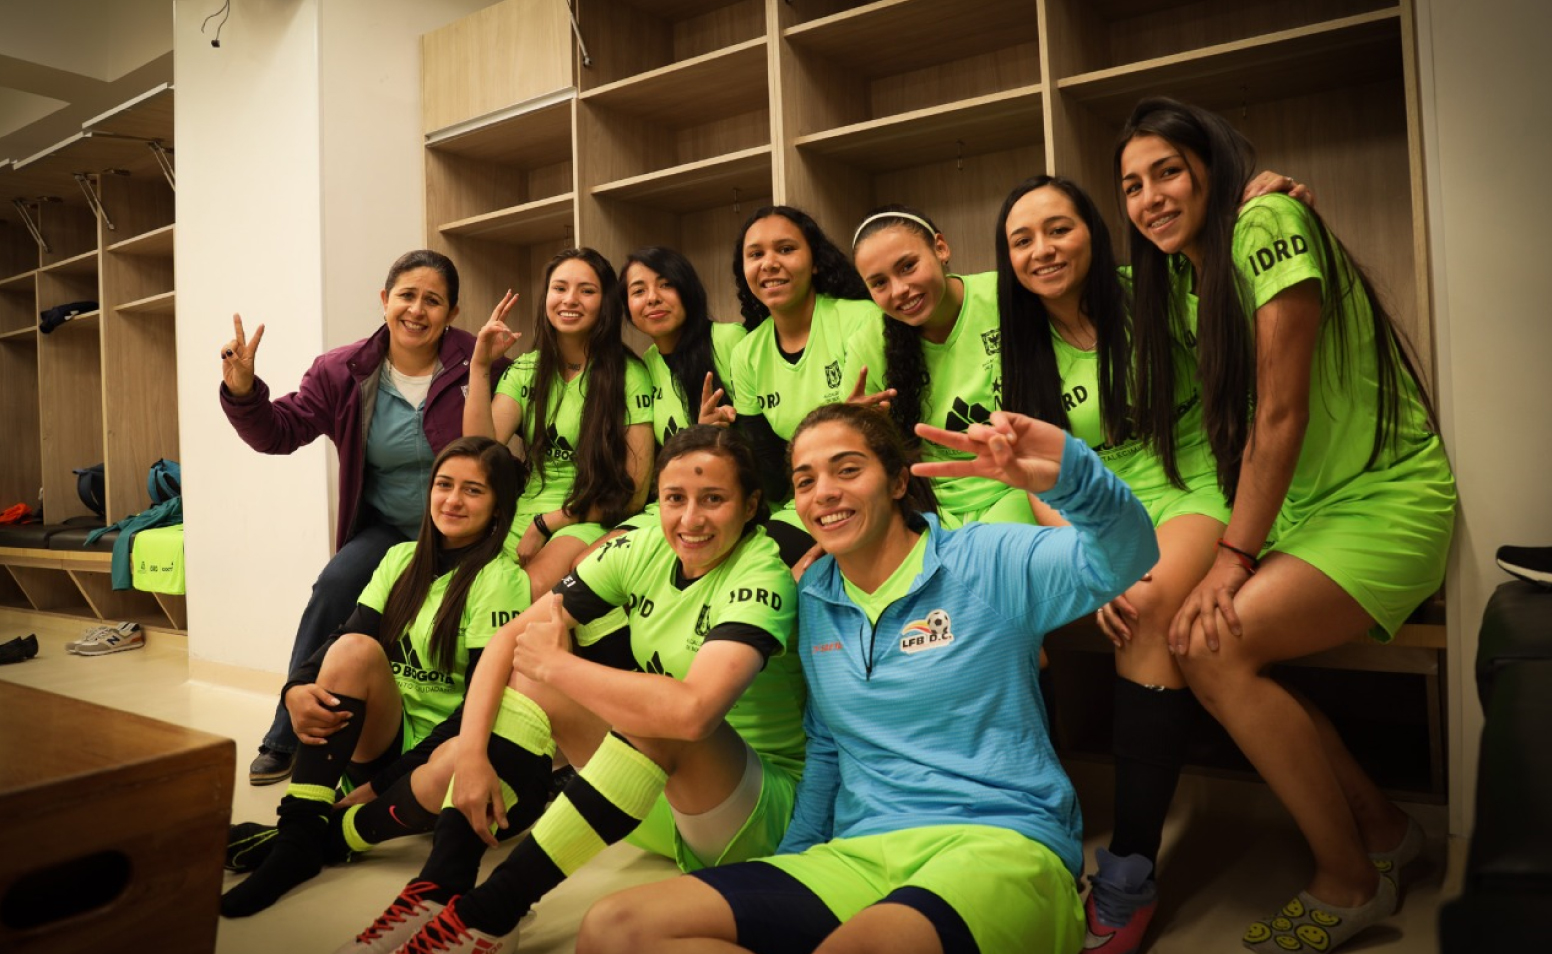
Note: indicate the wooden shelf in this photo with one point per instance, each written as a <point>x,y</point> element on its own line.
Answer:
<point>720,84</point>
<point>526,137</point>
<point>154,242</point>
<point>1345,52</point>
<point>21,282</point>
<point>896,36</point>
<point>968,127</point>
<point>161,304</point>
<point>147,116</point>
<point>526,224</point>
<point>28,334</point>
<point>83,264</point>
<point>676,9</point>
<point>696,185</point>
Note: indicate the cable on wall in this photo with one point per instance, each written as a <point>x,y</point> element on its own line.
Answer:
<point>226,8</point>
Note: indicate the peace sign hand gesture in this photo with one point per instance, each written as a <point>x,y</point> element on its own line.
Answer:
<point>712,410</point>
<point>237,358</point>
<point>1019,451</point>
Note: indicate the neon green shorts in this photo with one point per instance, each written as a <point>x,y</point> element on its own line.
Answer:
<point>761,832</point>
<point>1200,496</point>
<point>1011,506</point>
<point>586,532</point>
<point>1383,538</point>
<point>649,517</point>
<point>1014,893</point>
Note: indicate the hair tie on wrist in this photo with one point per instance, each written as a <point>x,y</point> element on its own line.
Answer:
<point>542,527</point>
<point>1246,560</point>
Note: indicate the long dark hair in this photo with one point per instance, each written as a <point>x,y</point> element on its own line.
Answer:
<point>905,365</point>
<point>883,440</point>
<point>725,442</point>
<point>504,476</point>
<point>1031,384</point>
<point>833,274</point>
<point>603,479</point>
<point>693,357</point>
<point>1226,348</point>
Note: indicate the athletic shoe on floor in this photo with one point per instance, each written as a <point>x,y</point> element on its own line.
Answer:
<point>1306,925</point>
<point>408,913</point>
<point>18,649</point>
<point>447,934</point>
<point>91,641</point>
<point>1122,899</point>
<point>270,767</point>
<point>247,845</point>
<point>1528,563</point>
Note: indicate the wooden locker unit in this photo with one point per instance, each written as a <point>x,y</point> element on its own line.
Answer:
<point>102,387</point>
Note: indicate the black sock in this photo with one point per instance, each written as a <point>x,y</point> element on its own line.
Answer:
<point>298,847</point>
<point>1152,729</point>
<point>570,832</point>
<point>454,863</point>
<point>392,814</point>
<point>456,850</point>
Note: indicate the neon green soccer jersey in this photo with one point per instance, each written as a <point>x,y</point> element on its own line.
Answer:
<point>1131,460</point>
<point>429,693</point>
<point>551,481</point>
<point>766,383</point>
<point>1276,246</point>
<point>964,384</point>
<point>670,617</point>
<point>672,409</point>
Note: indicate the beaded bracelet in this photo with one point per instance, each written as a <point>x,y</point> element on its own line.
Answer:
<point>1246,560</point>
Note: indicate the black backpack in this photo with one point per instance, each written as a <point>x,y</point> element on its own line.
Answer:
<point>91,486</point>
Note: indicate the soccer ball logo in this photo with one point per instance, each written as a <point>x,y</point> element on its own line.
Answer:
<point>937,622</point>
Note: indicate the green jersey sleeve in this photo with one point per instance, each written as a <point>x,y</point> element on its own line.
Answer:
<point>1275,247</point>
<point>517,382</point>
<point>499,593</point>
<point>757,591</point>
<point>607,570</point>
<point>638,392</point>
<point>725,339</point>
<point>375,596</point>
<point>865,349</point>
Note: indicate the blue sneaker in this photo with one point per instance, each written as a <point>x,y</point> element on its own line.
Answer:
<point>1122,899</point>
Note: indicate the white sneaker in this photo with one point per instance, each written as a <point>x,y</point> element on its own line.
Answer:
<point>408,913</point>
<point>102,640</point>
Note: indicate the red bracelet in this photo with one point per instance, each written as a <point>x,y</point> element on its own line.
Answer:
<point>1246,560</point>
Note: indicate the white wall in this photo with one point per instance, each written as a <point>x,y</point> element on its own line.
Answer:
<point>1487,123</point>
<point>300,179</point>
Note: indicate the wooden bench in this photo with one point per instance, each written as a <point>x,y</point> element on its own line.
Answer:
<point>1417,649</point>
<point>113,826</point>
<point>53,574</point>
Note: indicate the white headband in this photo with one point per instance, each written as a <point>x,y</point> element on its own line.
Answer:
<point>892,215</point>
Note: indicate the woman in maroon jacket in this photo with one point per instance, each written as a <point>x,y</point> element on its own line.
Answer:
<point>390,403</point>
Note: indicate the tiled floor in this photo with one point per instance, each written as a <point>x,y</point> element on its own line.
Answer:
<point>1231,854</point>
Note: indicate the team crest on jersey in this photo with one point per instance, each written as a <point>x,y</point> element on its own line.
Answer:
<point>833,374</point>
<point>992,341</point>
<point>931,632</point>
